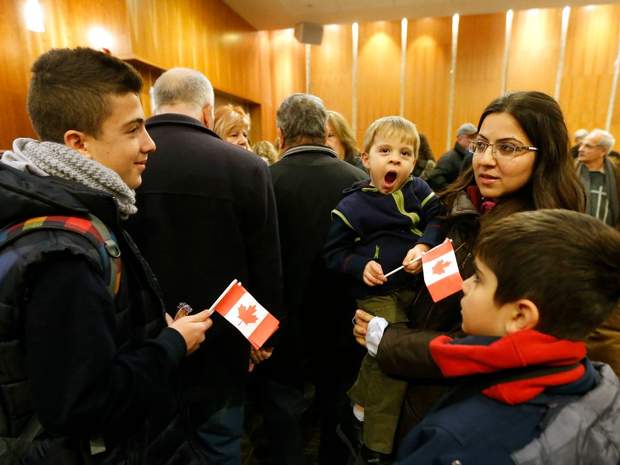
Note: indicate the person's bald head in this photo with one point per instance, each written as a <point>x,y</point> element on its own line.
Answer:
<point>185,91</point>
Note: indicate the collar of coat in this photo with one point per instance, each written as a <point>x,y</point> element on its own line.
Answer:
<point>310,148</point>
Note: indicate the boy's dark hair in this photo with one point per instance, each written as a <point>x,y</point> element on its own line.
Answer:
<point>567,263</point>
<point>69,89</point>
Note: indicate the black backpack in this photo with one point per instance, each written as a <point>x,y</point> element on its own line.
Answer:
<point>14,449</point>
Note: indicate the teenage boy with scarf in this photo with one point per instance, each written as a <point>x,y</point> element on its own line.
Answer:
<point>526,392</point>
<point>87,372</point>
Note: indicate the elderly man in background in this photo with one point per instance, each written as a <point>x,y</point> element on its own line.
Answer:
<point>308,183</point>
<point>450,164</point>
<point>599,176</point>
<point>207,216</point>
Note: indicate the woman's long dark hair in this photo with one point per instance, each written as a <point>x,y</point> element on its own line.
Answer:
<point>554,182</point>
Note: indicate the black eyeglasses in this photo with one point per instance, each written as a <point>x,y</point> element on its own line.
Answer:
<point>505,150</point>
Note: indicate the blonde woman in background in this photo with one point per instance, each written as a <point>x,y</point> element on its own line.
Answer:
<point>232,124</point>
<point>266,151</point>
<point>340,138</point>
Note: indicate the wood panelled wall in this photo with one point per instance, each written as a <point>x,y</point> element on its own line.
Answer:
<point>378,87</point>
<point>254,66</point>
<point>591,49</point>
<point>200,34</point>
<point>288,69</point>
<point>19,48</point>
<point>535,50</point>
<point>262,67</point>
<point>332,68</point>
<point>532,61</point>
<point>615,119</point>
<point>427,77</point>
<point>478,65</point>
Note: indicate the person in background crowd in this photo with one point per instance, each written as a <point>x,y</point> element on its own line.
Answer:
<point>232,124</point>
<point>449,165</point>
<point>89,362</point>
<point>579,135</point>
<point>426,160</point>
<point>340,138</point>
<point>599,176</point>
<point>207,216</point>
<point>308,182</point>
<point>266,151</point>
<point>520,162</point>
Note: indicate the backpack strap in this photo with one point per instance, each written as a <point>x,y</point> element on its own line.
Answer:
<point>89,227</point>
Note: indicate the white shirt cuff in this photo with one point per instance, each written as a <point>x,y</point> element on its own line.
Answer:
<point>376,327</point>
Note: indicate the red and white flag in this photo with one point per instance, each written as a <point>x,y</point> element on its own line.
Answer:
<point>244,312</point>
<point>441,272</point>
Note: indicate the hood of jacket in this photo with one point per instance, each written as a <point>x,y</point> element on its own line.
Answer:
<point>24,195</point>
<point>583,432</point>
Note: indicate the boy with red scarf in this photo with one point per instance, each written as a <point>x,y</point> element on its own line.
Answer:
<point>526,392</point>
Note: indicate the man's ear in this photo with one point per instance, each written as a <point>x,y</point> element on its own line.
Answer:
<point>523,315</point>
<point>280,139</point>
<point>78,141</point>
<point>208,116</point>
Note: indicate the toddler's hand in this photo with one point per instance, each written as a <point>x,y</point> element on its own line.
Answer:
<point>415,254</point>
<point>373,274</point>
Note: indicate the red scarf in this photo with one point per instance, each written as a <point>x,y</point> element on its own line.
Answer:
<point>520,349</point>
<point>480,203</point>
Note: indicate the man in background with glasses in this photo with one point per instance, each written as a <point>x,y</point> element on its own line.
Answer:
<point>599,176</point>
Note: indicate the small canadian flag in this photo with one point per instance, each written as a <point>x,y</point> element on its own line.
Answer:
<point>441,272</point>
<point>244,312</point>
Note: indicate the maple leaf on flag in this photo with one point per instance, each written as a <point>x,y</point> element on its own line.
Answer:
<point>440,267</point>
<point>246,314</point>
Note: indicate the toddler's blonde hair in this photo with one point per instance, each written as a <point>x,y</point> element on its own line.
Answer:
<point>393,126</point>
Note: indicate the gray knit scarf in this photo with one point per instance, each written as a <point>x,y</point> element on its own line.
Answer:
<point>53,159</point>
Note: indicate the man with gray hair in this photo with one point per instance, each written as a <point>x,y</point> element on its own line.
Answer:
<point>599,176</point>
<point>184,91</point>
<point>308,183</point>
<point>207,216</point>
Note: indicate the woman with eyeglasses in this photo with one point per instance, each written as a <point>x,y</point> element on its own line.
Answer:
<point>520,162</point>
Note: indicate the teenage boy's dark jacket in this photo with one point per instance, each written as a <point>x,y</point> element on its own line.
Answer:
<point>87,363</point>
<point>206,215</point>
<point>368,225</point>
<point>515,421</point>
<point>447,168</point>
